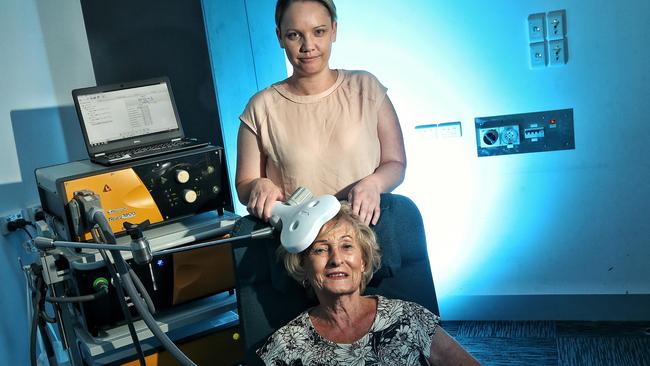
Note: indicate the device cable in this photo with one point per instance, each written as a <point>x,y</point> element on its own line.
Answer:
<point>37,323</point>
<point>121,299</point>
<point>142,290</point>
<point>100,219</point>
<point>42,326</point>
<point>36,299</point>
<point>27,232</point>
<point>31,289</point>
<point>43,314</point>
<point>155,328</point>
<point>103,291</point>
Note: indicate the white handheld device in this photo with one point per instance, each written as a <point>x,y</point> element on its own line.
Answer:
<point>301,217</point>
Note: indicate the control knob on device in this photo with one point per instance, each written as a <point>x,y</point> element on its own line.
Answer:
<point>189,195</point>
<point>182,176</point>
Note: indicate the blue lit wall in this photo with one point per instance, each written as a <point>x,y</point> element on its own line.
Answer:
<point>547,228</point>
<point>233,42</point>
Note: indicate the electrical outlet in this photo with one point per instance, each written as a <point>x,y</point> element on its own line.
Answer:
<point>558,53</point>
<point>556,24</point>
<point>510,135</point>
<point>7,218</point>
<point>499,136</point>
<point>536,29</point>
<point>538,54</point>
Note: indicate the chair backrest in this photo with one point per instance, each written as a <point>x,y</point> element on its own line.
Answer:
<point>268,298</point>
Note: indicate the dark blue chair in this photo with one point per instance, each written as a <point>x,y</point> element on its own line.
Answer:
<point>268,298</point>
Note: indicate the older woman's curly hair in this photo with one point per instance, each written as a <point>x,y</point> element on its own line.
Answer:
<point>364,235</point>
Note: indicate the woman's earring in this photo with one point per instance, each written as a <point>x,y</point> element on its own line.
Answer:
<point>305,283</point>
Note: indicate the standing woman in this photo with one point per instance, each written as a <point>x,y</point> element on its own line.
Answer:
<point>332,131</point>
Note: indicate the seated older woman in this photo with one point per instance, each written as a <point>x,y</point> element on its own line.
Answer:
<point>346,328</point>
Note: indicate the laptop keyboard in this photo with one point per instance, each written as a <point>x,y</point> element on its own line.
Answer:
<point>151,150</point>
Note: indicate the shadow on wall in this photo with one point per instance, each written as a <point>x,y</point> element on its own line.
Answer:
<point>44,137</point>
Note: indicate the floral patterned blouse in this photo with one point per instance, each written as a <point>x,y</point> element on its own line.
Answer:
<point>400,335</point>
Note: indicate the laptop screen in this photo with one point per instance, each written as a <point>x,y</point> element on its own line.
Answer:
<point>122,116</point>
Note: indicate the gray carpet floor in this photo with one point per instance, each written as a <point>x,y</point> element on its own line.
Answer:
<point>549,343</point>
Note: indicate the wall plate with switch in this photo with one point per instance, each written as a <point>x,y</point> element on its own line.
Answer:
<point>536,27</point>
<point>538,54</point>
<point>427,131</point>
<point>556,24</point>
<point>445,130</point>
<point>557,52</point>
<point>449,130</point>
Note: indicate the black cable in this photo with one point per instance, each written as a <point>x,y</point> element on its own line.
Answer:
<point>29,282</point>
<point>36,299</point>
<point>83,298</point>
<point>38,304</point>
<point>122,301</point>
<point>46,317</point>
<point>42,326</point>
<point>27,232</point>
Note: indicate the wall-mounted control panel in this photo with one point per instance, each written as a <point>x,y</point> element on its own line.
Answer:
<point>525,133</point>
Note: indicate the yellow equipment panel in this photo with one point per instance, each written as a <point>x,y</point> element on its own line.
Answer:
<point>123,195</point>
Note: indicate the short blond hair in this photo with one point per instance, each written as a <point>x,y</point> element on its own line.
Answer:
<point>364,235</point>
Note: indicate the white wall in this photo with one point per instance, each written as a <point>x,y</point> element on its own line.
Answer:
<point>44,56</point>
<point>558,223</point>
<point>24,72</point>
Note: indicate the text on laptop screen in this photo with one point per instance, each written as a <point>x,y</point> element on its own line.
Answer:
<point>127,113</point>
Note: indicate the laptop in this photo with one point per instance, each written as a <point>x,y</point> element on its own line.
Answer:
<point>130,121</point>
